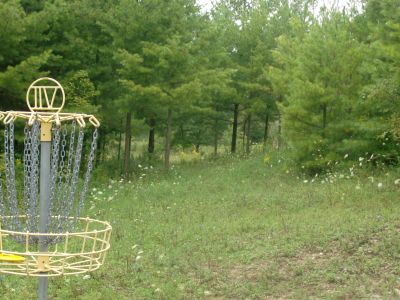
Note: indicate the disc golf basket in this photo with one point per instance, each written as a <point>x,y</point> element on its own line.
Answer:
<point>42,232</point>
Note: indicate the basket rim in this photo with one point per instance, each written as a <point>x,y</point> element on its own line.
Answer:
<point>88,220</point>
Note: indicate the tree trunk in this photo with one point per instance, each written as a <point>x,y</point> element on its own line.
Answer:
<point>168,132</point>
<point>266,131</point>
<point>244,134</point>
<point>119,145</point>
<point>150,147</point>
<point>234,128</point>
<point>120,142</point>
<point>324,116</point>
<point>216,137</point>
<point>279,132</point>
<point>103,155</point>
<point>128,138</point>
<point>248,141</point>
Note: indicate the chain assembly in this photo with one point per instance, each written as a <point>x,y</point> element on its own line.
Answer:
<point>42,196</point>
<point>66,198</point>
<point>66,195</point>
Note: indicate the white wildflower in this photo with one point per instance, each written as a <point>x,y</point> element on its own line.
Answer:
<point>346,156</point>
<point>397,181</point>
<point>86,277</point>
<point>380,185</point>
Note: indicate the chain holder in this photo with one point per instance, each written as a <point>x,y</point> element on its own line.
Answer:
<point>45,102</point>
<point>42,232</point>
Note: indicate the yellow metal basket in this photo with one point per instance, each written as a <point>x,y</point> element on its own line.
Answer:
<point>75,252</point>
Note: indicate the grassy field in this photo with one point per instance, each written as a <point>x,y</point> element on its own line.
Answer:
<point>241,229</point>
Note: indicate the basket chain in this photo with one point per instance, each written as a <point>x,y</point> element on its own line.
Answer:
<point>53,176</point>
<point>31,174</point>
<point>75,173</point>
<point>89,170</point>
<point>10,176</point>
<point>66,199</point>
<point>28,176</point>
<point>64,205</point>
<point>34,197</point>
<point>61,175</point>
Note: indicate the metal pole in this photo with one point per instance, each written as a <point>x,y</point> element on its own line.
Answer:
<point>45,150</point>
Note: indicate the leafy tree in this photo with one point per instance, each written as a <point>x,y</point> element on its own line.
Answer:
<point>381,98</point>
<point>320,78</point>
<point>81,92</point>
<point>18,67</point>
<point>158,73</point>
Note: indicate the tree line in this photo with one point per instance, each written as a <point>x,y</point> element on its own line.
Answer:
<point>330,79</point>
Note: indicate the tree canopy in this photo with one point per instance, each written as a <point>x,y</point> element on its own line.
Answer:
<point>329,79</point>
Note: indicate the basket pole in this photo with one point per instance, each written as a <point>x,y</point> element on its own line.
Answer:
<point>45,150</point>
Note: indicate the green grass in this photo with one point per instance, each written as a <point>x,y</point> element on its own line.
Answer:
<point>240,229</point>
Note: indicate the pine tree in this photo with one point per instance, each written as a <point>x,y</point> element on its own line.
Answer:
<point>320,78</point>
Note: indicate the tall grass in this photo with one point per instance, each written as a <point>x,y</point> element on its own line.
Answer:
<point>241,229</point>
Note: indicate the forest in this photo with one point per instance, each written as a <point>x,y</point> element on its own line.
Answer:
<point>246,151</point>
<point>175,77</point>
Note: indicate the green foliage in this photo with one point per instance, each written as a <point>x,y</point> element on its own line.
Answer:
<point>384,94</point>
<point>335,102</point>
<point>15,80</point>
<point>254,232</point>
<point>18,66</point>
<point>331,78</point>
<point>12,33</point>
<point>81,92</point>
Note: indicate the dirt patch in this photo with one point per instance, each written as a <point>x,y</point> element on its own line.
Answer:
<point>251,272</point>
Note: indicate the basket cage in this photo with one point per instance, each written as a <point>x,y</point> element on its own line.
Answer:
<point>74,253</point>
<point>58,241</point>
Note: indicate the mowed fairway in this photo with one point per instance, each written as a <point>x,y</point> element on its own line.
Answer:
<point>240,229</point>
